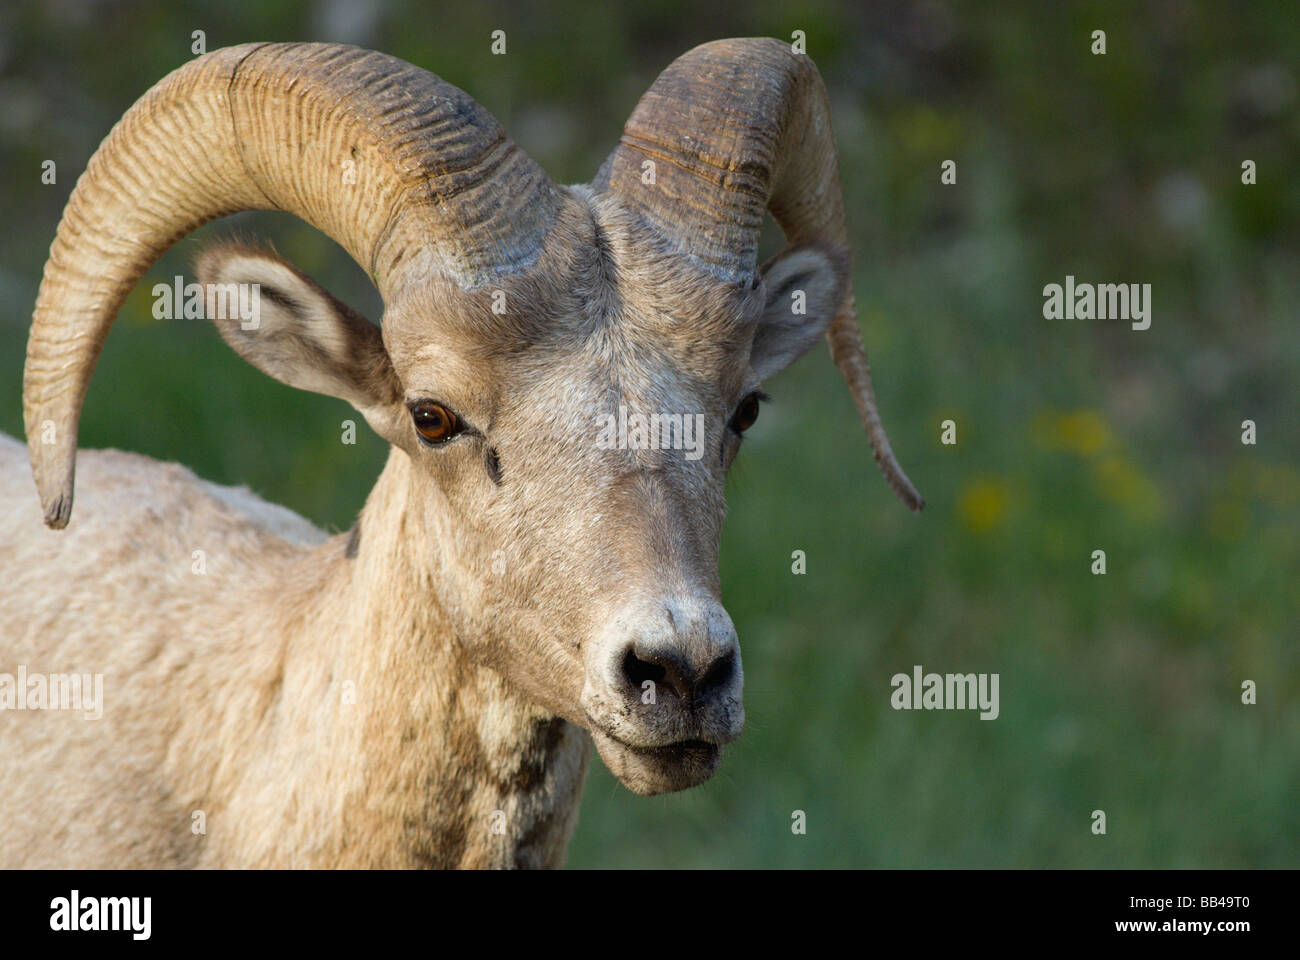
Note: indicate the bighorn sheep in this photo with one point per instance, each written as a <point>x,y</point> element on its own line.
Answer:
<point>424,689</point>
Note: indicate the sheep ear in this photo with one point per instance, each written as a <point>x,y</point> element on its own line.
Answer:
<point>289,327</point>
<point>804,288</point>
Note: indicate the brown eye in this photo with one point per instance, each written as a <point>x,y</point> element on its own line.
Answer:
<point>746,413</point>
<point>434,422</point>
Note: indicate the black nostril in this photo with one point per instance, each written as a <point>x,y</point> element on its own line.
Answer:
<point>719,675</point>
<point>638,671</point>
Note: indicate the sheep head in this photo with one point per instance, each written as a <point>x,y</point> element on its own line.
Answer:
<point>522,321</point>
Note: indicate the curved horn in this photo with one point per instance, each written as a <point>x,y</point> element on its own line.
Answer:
<point>737,128</point>
<point>400,168</point>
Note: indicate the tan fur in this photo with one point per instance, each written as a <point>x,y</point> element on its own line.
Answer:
<point>224,693</point>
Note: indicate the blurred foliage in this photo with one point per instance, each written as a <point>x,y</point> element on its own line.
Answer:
<point>1119,692</point>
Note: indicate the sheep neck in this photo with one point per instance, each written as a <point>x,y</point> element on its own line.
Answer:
<point>417,757</point>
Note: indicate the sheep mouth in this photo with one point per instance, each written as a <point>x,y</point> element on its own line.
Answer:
<point>659,769</point>
<point>678,752</point>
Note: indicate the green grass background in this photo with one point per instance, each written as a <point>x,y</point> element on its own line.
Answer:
<point>1119,693</point>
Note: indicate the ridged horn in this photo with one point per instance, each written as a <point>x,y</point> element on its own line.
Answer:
<point>738,128</point>
<point>403,170</point>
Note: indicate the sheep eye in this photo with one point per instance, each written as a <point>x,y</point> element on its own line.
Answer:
<point>746,413</point>
<point>434,422</point>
